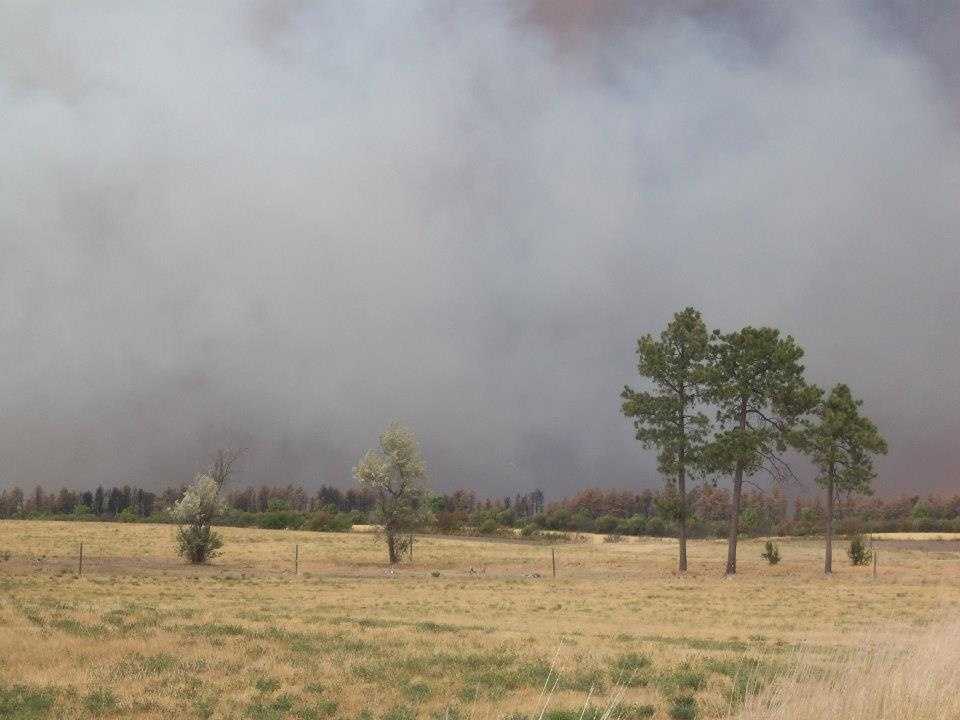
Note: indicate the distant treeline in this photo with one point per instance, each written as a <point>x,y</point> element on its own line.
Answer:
<point>613,512</point>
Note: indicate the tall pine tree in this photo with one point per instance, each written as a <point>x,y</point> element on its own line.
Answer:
<point>666,417</point>
<point>841,443</point>
<point>756,382</point>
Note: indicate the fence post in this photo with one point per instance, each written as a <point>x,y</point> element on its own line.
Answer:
<point>296,559</point>
<point>553,561</point>
<point>80,566</point>
<point>876,559</point>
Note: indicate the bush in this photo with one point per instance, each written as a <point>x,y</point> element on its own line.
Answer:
<point>635,525</point>
<point>280,520</point>
<point>127,515</point>
<point>198,507</point>
<point>683,707</point>
<point>656,527</point>
<point>198,543</point>
<point>488,527</point>
<point>772,553</point>
<point>858,552</point>
<point>606,524</point>
<point>324,521</point>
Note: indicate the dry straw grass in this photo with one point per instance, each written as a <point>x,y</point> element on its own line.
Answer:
<point>898,677</point>
<point>466,631</point>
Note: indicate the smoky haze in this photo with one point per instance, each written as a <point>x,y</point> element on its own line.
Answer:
<point>281,225</point>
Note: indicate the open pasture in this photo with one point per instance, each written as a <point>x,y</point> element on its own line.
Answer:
<point>470,629</point>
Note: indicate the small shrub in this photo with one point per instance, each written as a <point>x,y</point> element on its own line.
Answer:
<point>280,520</point>
<point>400,712</point>
<point>635,712</point>
<point>772,553</point>
<point>489,527</point>
<point>267,684</point>
<point>324,521</point>
<point>198,543</point>
<point>100,702</point>
<point>196,510</point>
<point>858,552</point>
<point>614,538</point>
<point>127,515</point>
<point>683,707</point>
<point>682,677</point>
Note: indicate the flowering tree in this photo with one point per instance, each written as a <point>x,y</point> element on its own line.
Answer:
<point>395,475</point>
<point>195,511</point>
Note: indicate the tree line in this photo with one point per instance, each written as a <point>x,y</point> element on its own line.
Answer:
<point>596,510</point>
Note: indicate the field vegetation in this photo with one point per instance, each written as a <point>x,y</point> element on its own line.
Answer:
<point>471,628</point>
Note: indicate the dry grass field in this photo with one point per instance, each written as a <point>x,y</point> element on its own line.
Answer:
<point>472,629</point>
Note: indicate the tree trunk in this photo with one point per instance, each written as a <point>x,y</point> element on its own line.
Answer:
<point>392,548</point>
<point>682,535</point>
<point>828,556</point>
<point>734,521</point>
<point>735,502</point>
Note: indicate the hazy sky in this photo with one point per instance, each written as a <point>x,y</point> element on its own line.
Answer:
<point>280,225</point>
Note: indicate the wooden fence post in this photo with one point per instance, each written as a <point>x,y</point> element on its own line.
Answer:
<point>296,559</point>
<point>553,561</point>
<point>80,566</point>
<point>876,559</point>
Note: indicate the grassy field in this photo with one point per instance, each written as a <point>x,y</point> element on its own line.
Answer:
<point>470,630</point>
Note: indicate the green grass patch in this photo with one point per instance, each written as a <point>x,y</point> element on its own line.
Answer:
<point>683,707</point>
<point>683,677</point>
<point>262,709</point>
<point>101,702</point>
<point>634,712</point>
<point>76,628</point>
<point>21,702</point>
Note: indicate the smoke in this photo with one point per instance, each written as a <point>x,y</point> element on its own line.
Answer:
<point>281,225</point>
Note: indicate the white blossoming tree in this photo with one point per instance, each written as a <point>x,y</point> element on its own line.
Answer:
<point>395,474</point>
<point>196,511</point>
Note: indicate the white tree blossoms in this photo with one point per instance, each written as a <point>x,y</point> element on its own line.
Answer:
<point>395,475</point>
<point>195,512</point>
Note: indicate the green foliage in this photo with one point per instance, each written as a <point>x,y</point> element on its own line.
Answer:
<point>127,515</point>
<point>326,521</point>
<point>665,419</point>
<point>841,443</point>
<point>488,527</point>
<point>198,543</point>
<point>281,520</point>
<point>858,552</point>
<point>755,380</point>
<point>771,553</point>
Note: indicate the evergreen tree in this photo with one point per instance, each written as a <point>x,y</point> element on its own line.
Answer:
<point>840,444</point>
<point>755,380</point>
<point>666,417</point>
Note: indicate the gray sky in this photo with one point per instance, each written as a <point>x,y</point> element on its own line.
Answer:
<point>281,225</point>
